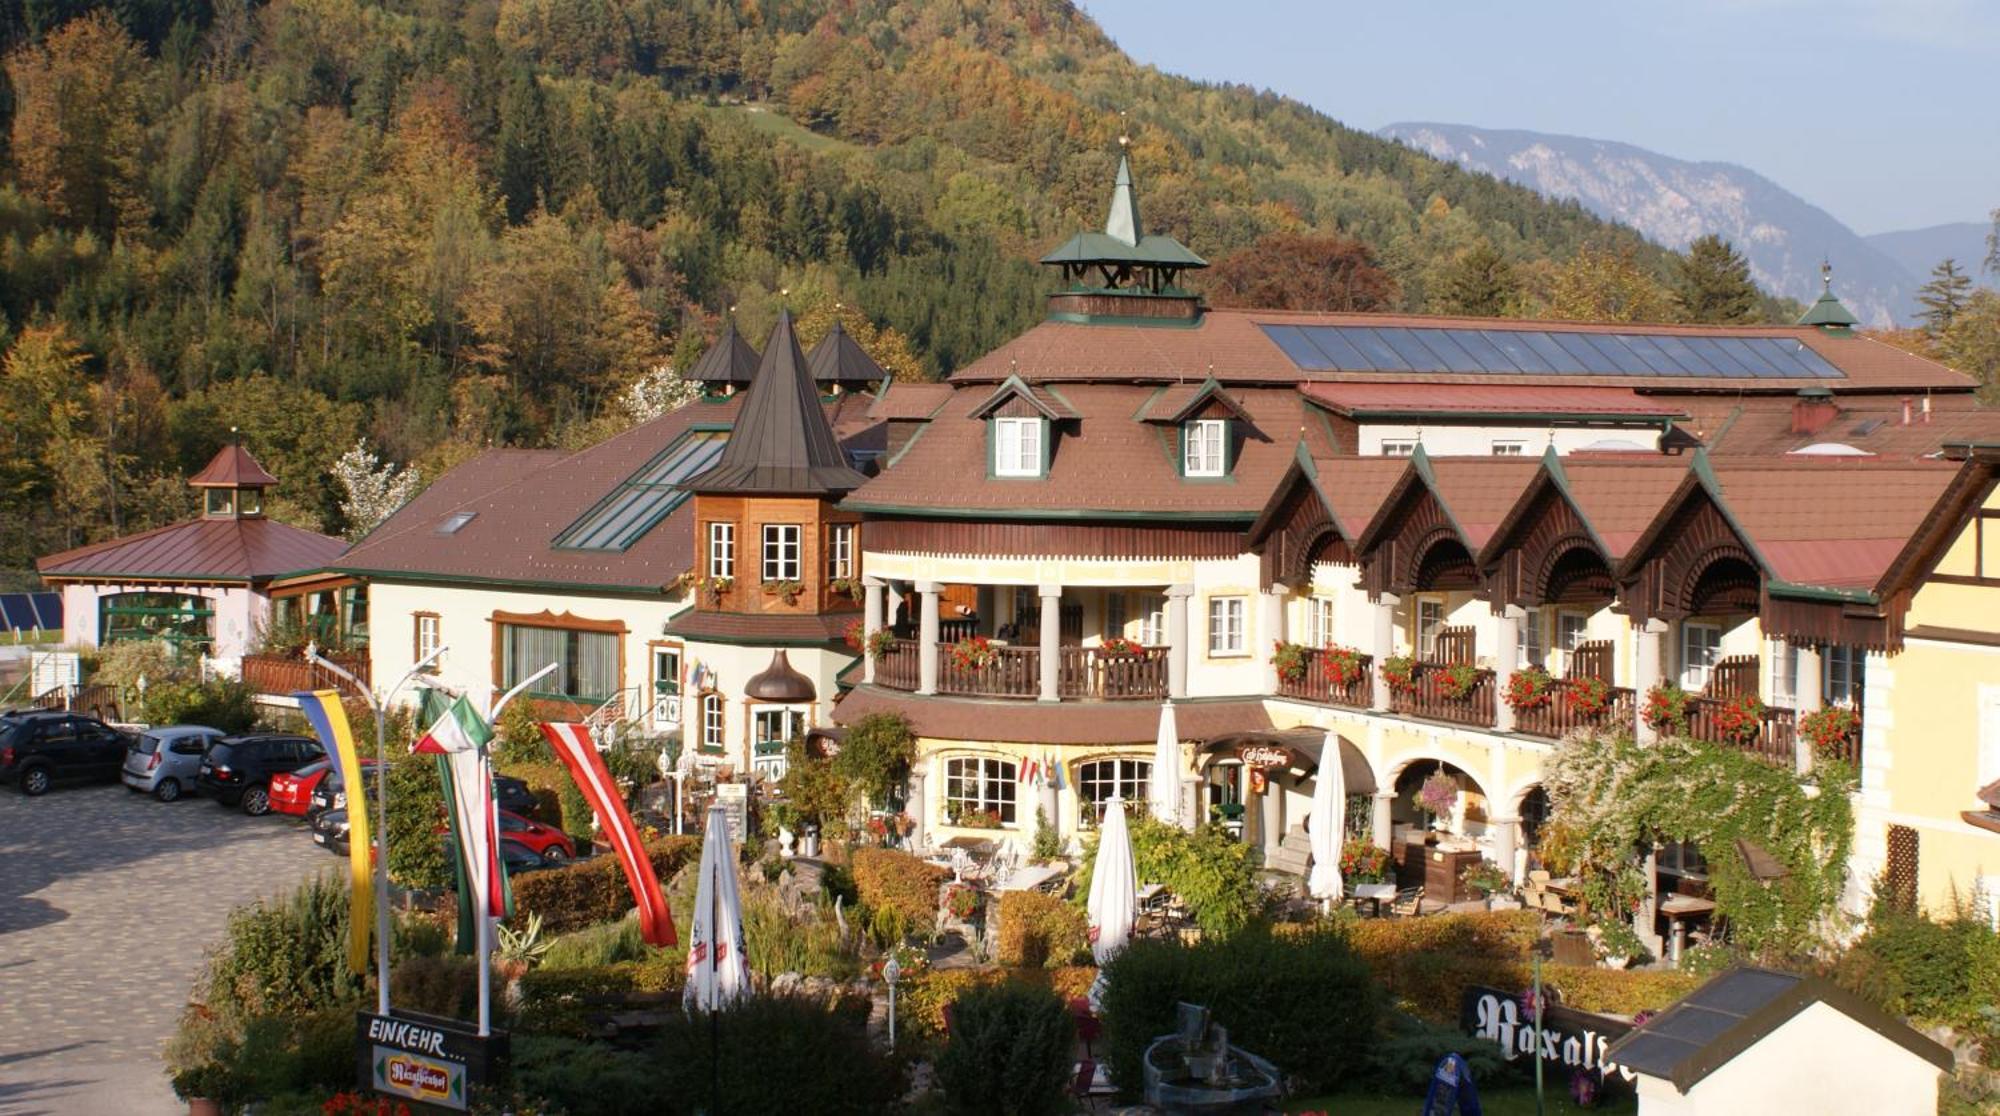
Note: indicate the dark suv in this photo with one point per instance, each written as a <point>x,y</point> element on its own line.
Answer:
<point>38,750</point>
<point>238,770</point>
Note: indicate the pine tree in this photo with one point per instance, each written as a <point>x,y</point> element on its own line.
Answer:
<point>1712,284</point>
<point>1943,297</point>
<point>1478,283</point>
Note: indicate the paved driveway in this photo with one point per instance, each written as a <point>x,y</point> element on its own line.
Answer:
<point>108,902</point>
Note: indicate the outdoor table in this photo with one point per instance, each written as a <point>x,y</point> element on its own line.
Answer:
<point>1374,894</point>
<point>1678,908</point>
<point>1032,877</point>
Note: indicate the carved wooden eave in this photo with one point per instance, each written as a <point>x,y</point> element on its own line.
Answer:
<point>1545,551</point>
<point>1297,530</point>
<point>1403,549</point>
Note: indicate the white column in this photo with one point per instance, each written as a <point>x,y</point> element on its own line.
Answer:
<point>1178,648</point>
<point>918,807</point>
<point>1647,636</point>
<point>871,622</point>
<point>1504,831</point>
<point>1806,697</point>
<point>1506,651</point>
<point>1384,827</point>
<point>1271,623</point>
<point>1384,647</point>
<point>1193,813</point>
<point>927,638</point>
<point>1273,821</point>
<point>1051,641</point>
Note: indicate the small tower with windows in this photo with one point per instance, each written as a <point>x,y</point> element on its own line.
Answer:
<point>1123,273</point>
<point>232,484</point>
<point>1827,312</point>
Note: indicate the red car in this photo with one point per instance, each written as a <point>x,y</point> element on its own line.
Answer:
<point>551,843</point>
<point>292,792</point>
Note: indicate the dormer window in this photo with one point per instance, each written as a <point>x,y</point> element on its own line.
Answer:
<point>1205,448</point>
<point>1018,447</point>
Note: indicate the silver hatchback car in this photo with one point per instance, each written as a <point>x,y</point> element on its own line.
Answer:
<point>164,761</point>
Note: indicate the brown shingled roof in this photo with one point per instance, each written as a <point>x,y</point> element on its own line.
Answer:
<point>199,550</point>
<point>1762,427</point>
<point>232,467</point>
<point>782,442</point>
<point>762,629</point>
<point>1831,522</point>
<point>1618,497</point>
<point>1479,491</point>
<point>910,401</point>
<point>1354,488</point>
<point>1110,722</point>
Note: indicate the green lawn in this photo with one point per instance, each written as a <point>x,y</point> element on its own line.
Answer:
<point>776,124</point>
<point>1498,1102</point>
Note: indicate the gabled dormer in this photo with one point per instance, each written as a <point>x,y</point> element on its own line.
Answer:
<point>1022,423</point>
<point>1204,426</point>
<point>232,485</point>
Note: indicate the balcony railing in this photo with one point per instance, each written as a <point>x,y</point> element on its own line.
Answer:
<point>896,667</point>
<point>285,674</point>
<point>1312,684</point>
<point>1092,675</point>
<point>1427,697</point>
<point>1559,716</point>
<point>1013,672</point>
<point>1776,738</point>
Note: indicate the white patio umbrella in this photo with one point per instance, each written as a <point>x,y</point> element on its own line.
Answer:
<point>1327,822</point>
<point>1164,789</point>
<point>1114,893</point>
<point>718,974</point>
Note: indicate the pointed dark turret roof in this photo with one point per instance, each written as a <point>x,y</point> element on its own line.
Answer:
<point>1827,312</point>
<point>1124,240</point>
<point>730,361</point>
<point>840,359</point>
<point>781,442</point>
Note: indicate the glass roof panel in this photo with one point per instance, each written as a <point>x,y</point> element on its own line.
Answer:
<point>1408,344</point>
<point>648,496</point>
<point>1335,352</point>
<point>1293,341</point>
<point>1557,358</point>
<point>1649,353</point>
<point>1719,359</point>
<point>1534,352</point>
<point>1524,358</point>
<point>1382,358</point>
<point>1486,356</point>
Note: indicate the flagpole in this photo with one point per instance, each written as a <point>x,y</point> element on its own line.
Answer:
<point>375,705</point>
<point>483,921</point>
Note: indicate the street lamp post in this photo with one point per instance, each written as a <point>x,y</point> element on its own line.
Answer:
<point>892,972</point>
<point>377,707</point>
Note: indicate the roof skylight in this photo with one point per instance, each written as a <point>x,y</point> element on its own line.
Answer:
<point>642,500</point>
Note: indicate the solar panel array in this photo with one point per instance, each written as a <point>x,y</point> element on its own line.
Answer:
<point>646,497</point>
<point>22,612</point>
<point>1546,352</point>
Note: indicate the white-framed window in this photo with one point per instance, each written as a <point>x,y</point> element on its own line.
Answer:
<point>722,550</point>
<point>980,785</point>
<point>1784,660</point>
<point>1318,625</point>
<point>1509,449</point>
<point>840,550</point>
<point>1398,447</point>
<point>1572,628</point>
<point>713,713</point>
<point>666,686</point>
<point>1701,646</point>
<point>1529,648</point>
<point>1430,619</point>
<point>1017,447</point>
<point>781,552</point>
<point>1225,625</point>
<point>1153,620</point>
<point>1114,614</point>
<point>1842,665</point>
<point>1204,447</point>
<point>771,729</point>
<point>427,638</point>
<point>1098,780</point>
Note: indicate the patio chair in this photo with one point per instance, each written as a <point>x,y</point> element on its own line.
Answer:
<point>1409,902</point>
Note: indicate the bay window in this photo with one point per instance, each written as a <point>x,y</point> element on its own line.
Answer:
<point>781,552</point>
<point>722,550</point>
<point>840,550</point>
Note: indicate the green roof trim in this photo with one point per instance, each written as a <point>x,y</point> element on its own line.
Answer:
<point>920,512</point>
<point>430,578</point>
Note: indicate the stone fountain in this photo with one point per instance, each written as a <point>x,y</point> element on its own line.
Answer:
<point>1196,1071</point>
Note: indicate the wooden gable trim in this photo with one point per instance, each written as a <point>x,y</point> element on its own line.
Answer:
<point>1303,534</point>
<point>1524,561</point>
<point>1963,501</point>
<point>1400,562</point>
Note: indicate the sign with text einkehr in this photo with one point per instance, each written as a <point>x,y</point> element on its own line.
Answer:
<point>425,1059</point>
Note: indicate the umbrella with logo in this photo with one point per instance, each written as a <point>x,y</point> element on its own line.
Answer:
<point>1326,822</point>
<point>1164,789</point>
<point>717,972</point>
<point>1114,893</point>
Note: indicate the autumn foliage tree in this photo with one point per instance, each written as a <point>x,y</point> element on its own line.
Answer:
<point>1302,271</point>
<point>77,126</point>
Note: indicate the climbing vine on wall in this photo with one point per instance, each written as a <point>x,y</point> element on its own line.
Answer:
<point>1609,794</point>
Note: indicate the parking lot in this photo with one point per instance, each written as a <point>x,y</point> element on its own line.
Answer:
<point>108,903</point>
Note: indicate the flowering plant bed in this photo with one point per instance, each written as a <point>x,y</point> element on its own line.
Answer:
<point>1400,672</point>
<point>973,653</point>
<point>1438,795</point>
<point>1826,729</point>
<point>1342,665</point>
<point>787,591</point>
<point>1740,720</point>
<point>972,819</point>
<point>1290,659</point>
<point>1457,680</point>
<point>1587,695</point>
<point>1531,688</point>
<point>1485,877</point>
<point>1667,708</point>
<point>963,902</point>
<point>1364,862</point>
<point>1119,645</point>
<point>849,587</point>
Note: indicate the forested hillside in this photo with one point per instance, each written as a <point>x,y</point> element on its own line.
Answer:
<point>443,224</point>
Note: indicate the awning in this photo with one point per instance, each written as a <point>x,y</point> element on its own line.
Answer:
<point>1299,750</point>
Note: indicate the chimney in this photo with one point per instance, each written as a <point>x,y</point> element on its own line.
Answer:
<point>1906,410</point>
<point>1813,410</point>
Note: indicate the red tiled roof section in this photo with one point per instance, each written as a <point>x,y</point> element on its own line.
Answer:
<point>1620,498</point>
<point>1107,462</point>
<point>1111,722</point>
<point>1229,345</point>
<point>1763,427</point>
<point>1490,399</point>
<point>232,467</point>
<point>1831,522</point>
<point>202,549</point>
<point>771,628</point>
<point>1480,491</point>
<point>910,401</point>
<point>1356,486</point>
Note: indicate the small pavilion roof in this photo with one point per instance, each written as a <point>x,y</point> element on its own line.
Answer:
<point>730,360</point>
<point>232,467</point>
<point>782,442</point>
<point>840,359</point>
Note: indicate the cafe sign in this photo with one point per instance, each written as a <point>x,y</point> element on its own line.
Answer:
<point>1264,755</point>
<point>424,1059</point>
<point>1566,1038</point>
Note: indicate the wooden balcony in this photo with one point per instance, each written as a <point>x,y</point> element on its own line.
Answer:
<point>1089,674</point>
<point>1560,717</point>
<point>1426,698</point>
<point>286,674</point>
<point>1776,739</point>
<point>1082,673</point>
<point>896,667</point>
<point>1014,672</point>
<point>1313,685</point>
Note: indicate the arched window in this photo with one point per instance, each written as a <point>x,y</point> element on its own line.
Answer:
<point>979,791</point>
<point>1098,780</point>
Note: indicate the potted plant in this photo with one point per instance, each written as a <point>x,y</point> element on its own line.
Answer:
<point>973,653</point>
<point>1667,708</point>
<point>1438,796</point>
<point>1588,696</point>
<point>1530,688</point>
<point>849,587</point>
<point>1829,728</point>
<point>1618,943</point>
<point>1740,720</point>
<point>1290,659</point>
<point>963,902</point>
<point>206,1088</point>
<point>1457,680</point>
<point>1364,862</point>
<point>787,591</point>
<point>1400,672</point>
<point>1120,646</point>
<point>1343,665</point>
<point>1485,879</point>
<point>715,587</point>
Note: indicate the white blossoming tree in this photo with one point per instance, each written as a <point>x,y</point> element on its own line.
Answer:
<point>371,488</point>
<point>657,392</point>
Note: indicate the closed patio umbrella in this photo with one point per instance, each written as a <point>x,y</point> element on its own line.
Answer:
<point>1164,789</point>
<point>717,972</point>
<point>1327,822</point>
<point>1114,893</point>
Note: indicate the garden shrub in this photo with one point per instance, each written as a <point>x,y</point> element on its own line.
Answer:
<point>1009,1053</point>
<point>607,943</point>
<point>446,986</point>
<point>875,756</point>
<point>220,703</point>
<point>1410,1048</point>
<point>778,940</point>
<point>1431,985</point>
<point>418,854</point>
<point>1304,1001</point>
<point>1039,930</point>
<point>922,997</point>
<point>889,880</point>
<point>592,891</point>
<point>554,1073</point>
<point>518,738</point>
<point>1480,933</point>
<point>545,779</point>
<point>1212,872</point>
<point>778,1054</point>
<point>566,1001</point>
<point>1939,969</point>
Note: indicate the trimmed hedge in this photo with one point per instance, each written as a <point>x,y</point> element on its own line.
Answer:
<point>592,891</point>
<point>1009,1053</point>
<point>888,880</point>
<point>562,1001</point>
<point>1039,930</point>
<point>921,998</point>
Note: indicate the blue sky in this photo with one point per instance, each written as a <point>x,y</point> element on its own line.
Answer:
<point>1882,112</point>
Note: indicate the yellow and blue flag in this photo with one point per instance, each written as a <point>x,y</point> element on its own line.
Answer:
<point>329,721</point>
